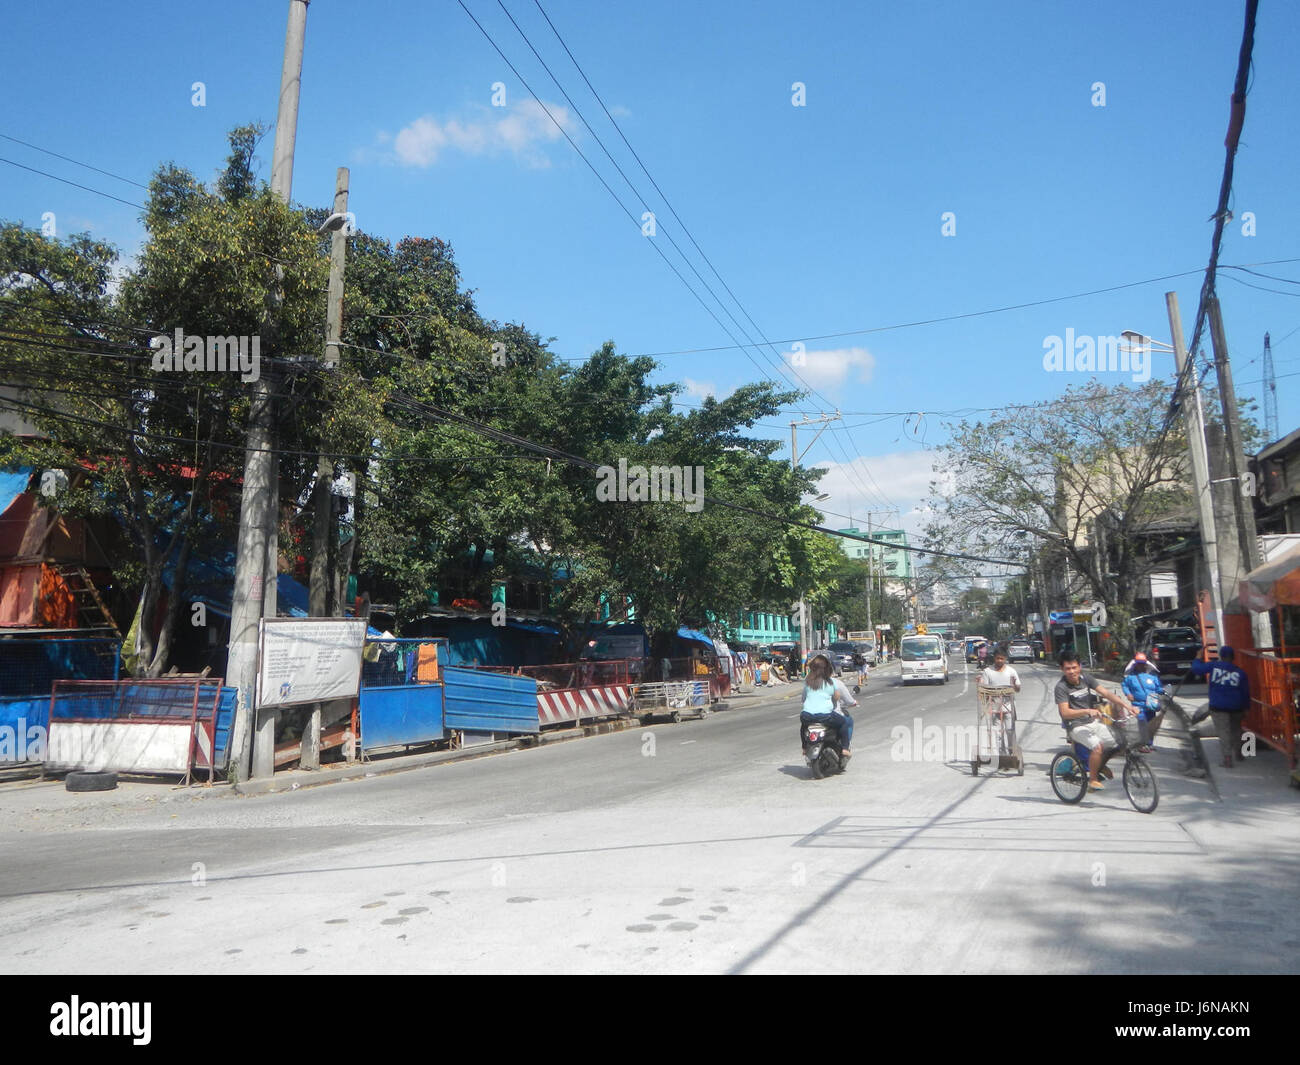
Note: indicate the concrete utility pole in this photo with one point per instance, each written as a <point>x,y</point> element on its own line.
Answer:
<point>257,554</point>
<point>824,421</point>
<point>1243,501</point>
<point>286,121</point>
<point>871,565</point>
<point>319,594</point>
<point>1200,461</point>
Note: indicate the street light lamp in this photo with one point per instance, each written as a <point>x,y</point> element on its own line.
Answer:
<point>333,223</point>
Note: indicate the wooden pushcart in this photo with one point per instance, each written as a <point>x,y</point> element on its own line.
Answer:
<point>995,731</point>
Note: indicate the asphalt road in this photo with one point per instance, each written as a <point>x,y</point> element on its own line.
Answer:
<point>697,847</point>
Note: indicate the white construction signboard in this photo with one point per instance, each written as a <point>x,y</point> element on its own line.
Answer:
<point>309,660</point>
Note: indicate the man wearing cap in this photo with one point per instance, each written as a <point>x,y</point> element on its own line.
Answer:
<point>1143,689</point>
<point>1229,699</point>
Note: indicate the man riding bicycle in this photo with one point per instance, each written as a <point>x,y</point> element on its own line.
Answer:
<point>1076,697</point>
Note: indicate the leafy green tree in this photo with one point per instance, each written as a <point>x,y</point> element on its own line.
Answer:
<point>165,444</point>
<point>1078,478</point>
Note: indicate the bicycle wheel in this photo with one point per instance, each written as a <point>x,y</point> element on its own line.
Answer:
<point>1140,784</point>
<point>1069,777</point>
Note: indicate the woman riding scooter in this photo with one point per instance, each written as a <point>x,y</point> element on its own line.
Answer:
<point>824,700</point>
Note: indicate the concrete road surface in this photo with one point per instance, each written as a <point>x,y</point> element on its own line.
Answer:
<point>697,847</point>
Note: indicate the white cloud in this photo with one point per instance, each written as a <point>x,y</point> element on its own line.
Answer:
<point>522,130</point>
<point>902,477</point>
<point>700,389</point>
<point>832,367</point>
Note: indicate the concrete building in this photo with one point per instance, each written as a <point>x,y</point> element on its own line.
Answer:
<point>893,562</point>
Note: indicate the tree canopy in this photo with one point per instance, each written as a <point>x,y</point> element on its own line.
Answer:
<point>1078,480</point>
<point>438,414</point>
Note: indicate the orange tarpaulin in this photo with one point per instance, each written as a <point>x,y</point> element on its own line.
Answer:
<point>36,595</point>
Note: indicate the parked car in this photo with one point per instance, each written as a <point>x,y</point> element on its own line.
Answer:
<point>1172,650</point>
<point>845,655</point>
<point>1020,651</point>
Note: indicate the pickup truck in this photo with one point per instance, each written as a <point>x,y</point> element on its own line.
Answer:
<point>1172,650</point>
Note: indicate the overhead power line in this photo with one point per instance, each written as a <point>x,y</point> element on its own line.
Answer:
<point>777,359</point>
<point>672,210</point>
<point>75,184</point>
<point>948,317</point>
<point>605,184</point>
<point>643,199</point>
<point>77,162</point>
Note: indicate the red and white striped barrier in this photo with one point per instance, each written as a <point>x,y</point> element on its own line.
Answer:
<point>574,704</point>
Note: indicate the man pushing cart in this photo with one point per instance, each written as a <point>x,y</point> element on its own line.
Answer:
<point>995,735</point>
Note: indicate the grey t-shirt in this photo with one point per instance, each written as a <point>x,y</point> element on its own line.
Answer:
<point>1080,697</point>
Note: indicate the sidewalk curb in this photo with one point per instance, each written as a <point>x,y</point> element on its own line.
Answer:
<point>405,762</point>
<point>360,770</point>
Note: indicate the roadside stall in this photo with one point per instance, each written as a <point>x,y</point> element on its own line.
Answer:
<point>1274,672</point>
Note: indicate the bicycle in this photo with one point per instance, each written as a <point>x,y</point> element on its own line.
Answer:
<point>1069,770</point>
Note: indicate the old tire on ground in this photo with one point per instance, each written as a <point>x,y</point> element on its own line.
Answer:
<point>87,781</point>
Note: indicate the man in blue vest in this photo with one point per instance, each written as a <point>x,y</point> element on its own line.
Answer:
<point>1229,699</point>
<point>1143,689</point>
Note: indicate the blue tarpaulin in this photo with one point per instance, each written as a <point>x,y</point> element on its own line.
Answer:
<point>692,634</point>
<point>12,485</point>
<point>210,581</point>
<point>533,626</point>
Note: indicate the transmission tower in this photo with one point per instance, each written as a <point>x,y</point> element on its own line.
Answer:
<point>1270,393</point>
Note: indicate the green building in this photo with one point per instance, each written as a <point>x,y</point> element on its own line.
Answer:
<point>893,562</point>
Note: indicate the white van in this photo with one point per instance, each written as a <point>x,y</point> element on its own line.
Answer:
<point>923,658</point>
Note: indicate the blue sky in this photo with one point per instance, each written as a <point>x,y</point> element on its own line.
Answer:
<point>823,218</point>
